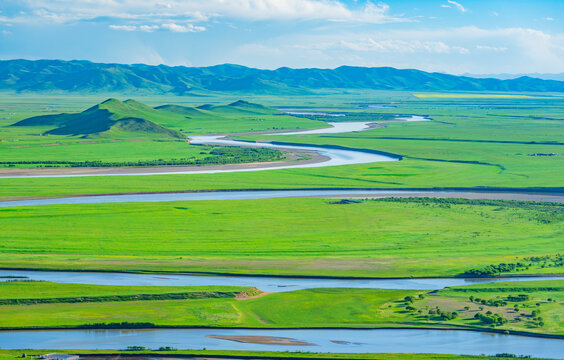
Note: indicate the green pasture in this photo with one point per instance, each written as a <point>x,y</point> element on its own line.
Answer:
<point>374,238</point>
<point>34,143</point>
<point>19,290</point>
<point>346,308</point>
<point>15,354</point>
<point>471,142</point>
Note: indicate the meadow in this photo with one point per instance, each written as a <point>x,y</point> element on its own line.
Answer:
<point>315,237</point>
<point>158,139</point>
<point>471,142</point>
<point>14,354</point>
<point>41,290</point>
<point>313,308</point>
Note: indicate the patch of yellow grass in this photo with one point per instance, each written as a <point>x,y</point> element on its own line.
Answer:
<point>480,96</point>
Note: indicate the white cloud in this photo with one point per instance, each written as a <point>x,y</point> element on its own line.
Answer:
<point>148,28</point>
<point>123,27</point>
<point>445,6</point>
<point>491,48</point>
<point>458,6</point>
<point>454,50</point>
<point>182,28</point>
<point>401,46</point>
<point>167,26</point>
<point>549,19</point>
<point>495,13</point>
<point>197,10</point>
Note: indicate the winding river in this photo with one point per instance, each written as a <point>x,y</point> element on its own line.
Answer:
<point>338,341</point>
<point>268,284</point>
<point>272,194</point>
<point>330,157</point>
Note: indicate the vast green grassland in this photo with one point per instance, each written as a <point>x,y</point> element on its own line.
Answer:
<point>15,354</point>
<point>314,308</point>
<point>374,238</point>
<point>106,134</point>
<point>471,142</point>
<point>40,290</point>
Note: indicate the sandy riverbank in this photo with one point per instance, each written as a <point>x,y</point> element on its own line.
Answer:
<point>292,157</point>
<point>264,340</point>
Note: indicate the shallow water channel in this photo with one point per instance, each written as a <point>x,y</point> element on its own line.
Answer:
<point>268,284</point>
<point>339,341</point>
<point>333,156</point>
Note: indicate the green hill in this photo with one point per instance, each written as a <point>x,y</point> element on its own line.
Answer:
<point>238,107</point>
<point>183,110</point>
<point>130,118</point>
<point>109,118</point>
<point>252,107</point>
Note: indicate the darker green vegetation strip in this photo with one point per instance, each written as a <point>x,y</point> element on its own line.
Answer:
<point>137,297</point>
<point>220,156</point>
<point>451,140</point>
<point>141,352</point>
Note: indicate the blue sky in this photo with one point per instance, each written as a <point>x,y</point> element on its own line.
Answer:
<point>474,36</point>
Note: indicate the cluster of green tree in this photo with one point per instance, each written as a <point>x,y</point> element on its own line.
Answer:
<point>135,348</point>
<point>541,212</point>
<point>537,320</point>
<point>519,297</point>
<point>143,348</point>
<point>222,155</point>
<point>118,325</point>
<point>490,302</point>
<point>443,315</point>
<point>491,319</point>
<point>492,270</point>
<point>511,289</point>
<point>137,297</point>
<point>540,261</point>
<point>507,355</point>
<point>532,205</point>
<point>166,348</point>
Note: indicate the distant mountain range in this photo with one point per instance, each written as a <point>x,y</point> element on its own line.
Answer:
<point>89,77</point>
<point>543,76</point>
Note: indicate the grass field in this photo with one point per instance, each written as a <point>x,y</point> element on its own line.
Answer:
<point>101,134</point>
<point>474,140</point>
<point>479,96</point>
<point>22,290</point>
<point>14,354</point>
<point>487,142</point>
<point>375,238</point>
<point>333,308</point>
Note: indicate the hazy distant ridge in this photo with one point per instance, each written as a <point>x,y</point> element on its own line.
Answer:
<point>88,77</point>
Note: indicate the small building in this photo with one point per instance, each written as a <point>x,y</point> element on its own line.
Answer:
<point>59,357</point>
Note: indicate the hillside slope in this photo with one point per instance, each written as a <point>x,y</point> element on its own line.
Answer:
<point>88,77</point>
<point>109,118</point>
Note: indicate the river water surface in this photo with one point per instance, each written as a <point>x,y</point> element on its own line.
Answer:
<point>338,341</point>
<point>268,284</point>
